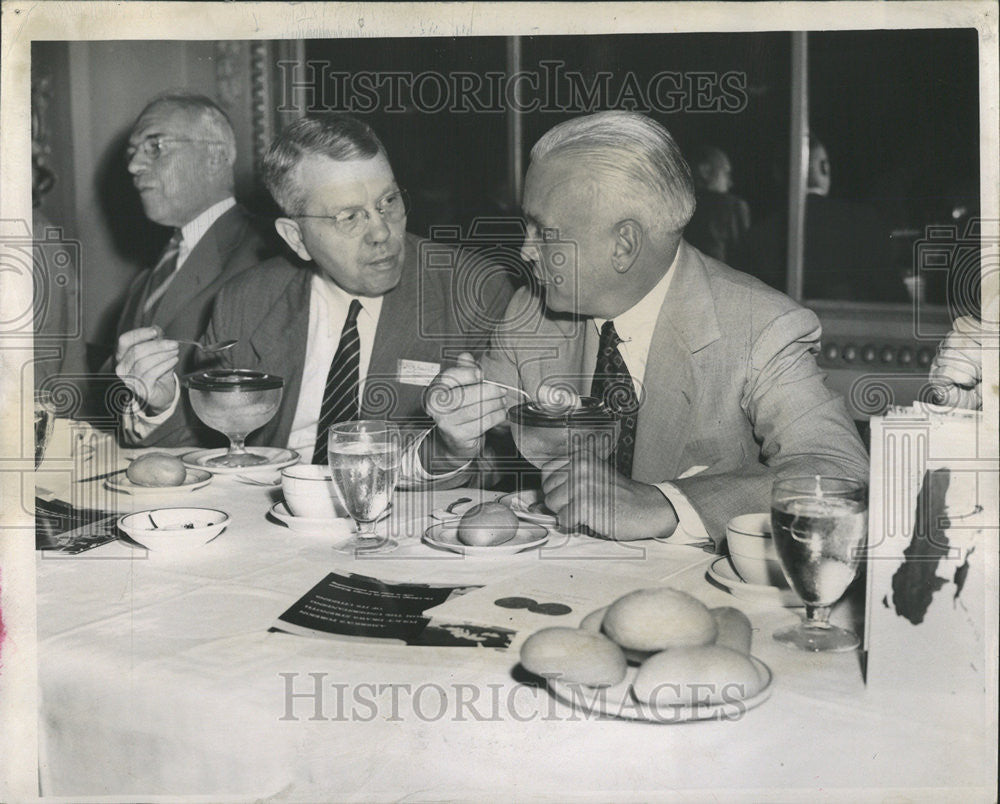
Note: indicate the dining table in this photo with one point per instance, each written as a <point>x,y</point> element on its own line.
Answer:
<point>162,676</point>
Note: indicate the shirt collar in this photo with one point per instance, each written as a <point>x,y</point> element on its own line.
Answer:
<point>194,230</point>
<point>640,319</point>
<point>333,294</point>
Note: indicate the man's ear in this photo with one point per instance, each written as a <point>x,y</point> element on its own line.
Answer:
<point>628,245</point>
<point>290,232</point>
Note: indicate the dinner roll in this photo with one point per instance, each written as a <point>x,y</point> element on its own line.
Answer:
<point>710,674</point>
<point>659,618</point>
<point>572,655</point>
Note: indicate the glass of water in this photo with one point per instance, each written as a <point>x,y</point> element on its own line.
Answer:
<point>819,525</point>
<point>364,461</point>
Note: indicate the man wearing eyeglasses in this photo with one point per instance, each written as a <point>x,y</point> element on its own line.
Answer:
<point>361,323</point>
<point>181,154</point>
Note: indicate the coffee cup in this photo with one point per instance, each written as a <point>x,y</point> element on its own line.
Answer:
<point>752,550</point>
<point>309,492</point>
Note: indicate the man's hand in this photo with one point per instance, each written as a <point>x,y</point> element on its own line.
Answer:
<point>464,408</point>
<point>145,361</point>
<point>586,490</point>
<point>957,370</point>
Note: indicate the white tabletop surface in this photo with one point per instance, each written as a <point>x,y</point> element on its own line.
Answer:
<point>161,678</point>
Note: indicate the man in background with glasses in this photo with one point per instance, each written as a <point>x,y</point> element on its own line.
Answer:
<point>181,154</point>
<point>358,322</point>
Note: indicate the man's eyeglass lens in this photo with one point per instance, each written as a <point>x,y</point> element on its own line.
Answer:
<point>392,207</point>
<point>152,147</point>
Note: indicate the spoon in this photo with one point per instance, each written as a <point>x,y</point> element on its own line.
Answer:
<point>460,501</point>
<point>209,348</point>
<point>525,394</point>
<point>255,482</point>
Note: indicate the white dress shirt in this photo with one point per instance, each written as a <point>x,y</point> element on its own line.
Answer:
<point>328,308</point>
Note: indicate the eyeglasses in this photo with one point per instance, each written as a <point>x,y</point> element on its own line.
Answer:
<point>393,207</point>
<point>152,146</point>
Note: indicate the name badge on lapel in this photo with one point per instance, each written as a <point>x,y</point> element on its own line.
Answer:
<point>417,372</point>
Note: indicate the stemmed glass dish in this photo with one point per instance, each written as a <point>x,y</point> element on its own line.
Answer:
<point>542,435</point>
<point>819,525</point>
<point>364,462</point>
<point>235,402</point>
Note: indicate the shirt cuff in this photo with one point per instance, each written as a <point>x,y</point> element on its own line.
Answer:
<point>690,529</point>
<point>412,470</point>
<point>137,425</point>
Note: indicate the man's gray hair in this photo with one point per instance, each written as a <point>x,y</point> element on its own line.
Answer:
<point>213,120</point>
<point>336,136</point>
<point>633,147</point>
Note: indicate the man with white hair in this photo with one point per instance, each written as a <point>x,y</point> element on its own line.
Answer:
<point>711,373</point>
<point>181,155</point>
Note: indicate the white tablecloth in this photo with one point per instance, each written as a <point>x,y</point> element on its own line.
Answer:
<point>161,678</point>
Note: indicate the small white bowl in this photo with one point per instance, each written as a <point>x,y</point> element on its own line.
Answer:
<point>308,490</point>
<point>752,550</point>
<point>165,531</point>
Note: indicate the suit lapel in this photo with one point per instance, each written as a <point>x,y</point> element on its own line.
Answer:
<point>203,265</point>
<point>397,322</point>
<point>686,324</point>
<point>279,345</point>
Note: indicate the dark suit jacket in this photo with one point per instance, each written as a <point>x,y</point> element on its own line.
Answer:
<point>230,246</point>
<point>731,385</point>
<point>445,303</point>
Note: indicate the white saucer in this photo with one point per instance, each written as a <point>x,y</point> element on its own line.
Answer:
<point>521,503</point>
<point>444,536</point>
<point>277,458</point>
<point>302,524</point>
<point>722,572</point>
<point>618,701</point>
<point>318,527</point>
<point>194,479</point>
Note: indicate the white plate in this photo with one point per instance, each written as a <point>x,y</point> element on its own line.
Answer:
<point>302,524</point>
<point>721,571</point>
<point>618,701</point>
<point>522,502</point>
<point>194,479</point>
<point>445,536</point>
<point>277,458</point>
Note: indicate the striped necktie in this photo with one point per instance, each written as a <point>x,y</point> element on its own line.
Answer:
<point>613,385</point>
<point>340,395</point>
<point>162,274</point>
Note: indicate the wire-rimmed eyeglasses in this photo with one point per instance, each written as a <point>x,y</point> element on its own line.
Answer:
<point>393,207</point>
<point>152,146</point>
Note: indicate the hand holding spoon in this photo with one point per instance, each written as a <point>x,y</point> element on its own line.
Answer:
<point>209,348</point>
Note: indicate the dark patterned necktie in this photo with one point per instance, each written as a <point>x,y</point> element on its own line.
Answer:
<point>162,273</point>
<point>340,395</point>
<point>613,385</point>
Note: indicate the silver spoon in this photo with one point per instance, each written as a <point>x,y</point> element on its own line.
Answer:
<point>525,394</point>
<point>209,348</point>
<point>255,482</point>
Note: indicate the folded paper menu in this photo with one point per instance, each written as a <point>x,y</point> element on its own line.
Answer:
<point>543,596</point>
<point>361,607</point>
